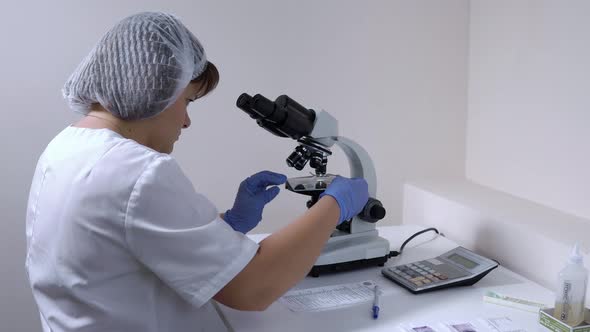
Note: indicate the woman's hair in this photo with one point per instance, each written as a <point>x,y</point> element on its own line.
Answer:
<point>140,67</point>
<point>208,79</point>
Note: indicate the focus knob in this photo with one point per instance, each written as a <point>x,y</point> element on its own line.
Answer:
<point>377,212</point>
<point>373,211</point>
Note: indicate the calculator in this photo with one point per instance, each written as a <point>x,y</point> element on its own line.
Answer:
<point>458,267</point>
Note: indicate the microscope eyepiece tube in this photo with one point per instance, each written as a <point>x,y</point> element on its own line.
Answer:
<point>244,100</point>
<point>263,106</point>
<point>244,103</point>
<point>299,121</point>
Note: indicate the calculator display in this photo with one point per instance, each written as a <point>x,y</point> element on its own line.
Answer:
<point>462,261</point>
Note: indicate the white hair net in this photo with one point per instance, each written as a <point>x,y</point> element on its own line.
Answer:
<point>138,68</point>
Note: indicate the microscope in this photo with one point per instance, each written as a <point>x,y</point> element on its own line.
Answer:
<point>356,242</point>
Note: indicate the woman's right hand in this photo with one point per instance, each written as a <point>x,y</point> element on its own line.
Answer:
<point>350,194</point>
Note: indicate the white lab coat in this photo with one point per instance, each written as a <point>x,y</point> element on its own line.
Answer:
<point>119,240</point>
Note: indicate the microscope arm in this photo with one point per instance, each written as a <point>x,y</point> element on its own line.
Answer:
<point>361,165</point>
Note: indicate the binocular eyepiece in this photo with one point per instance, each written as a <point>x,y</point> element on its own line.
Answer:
<point>283,117</point>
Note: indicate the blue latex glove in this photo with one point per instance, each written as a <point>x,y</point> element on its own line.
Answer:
<point>251,198</point>
<point>351,195</point>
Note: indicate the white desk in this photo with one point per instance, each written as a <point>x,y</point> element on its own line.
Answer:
<point>399,306</point>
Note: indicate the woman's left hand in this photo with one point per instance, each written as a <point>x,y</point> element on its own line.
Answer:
<point>252,196</point>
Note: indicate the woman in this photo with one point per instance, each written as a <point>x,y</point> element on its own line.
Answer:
<point>117,237</point>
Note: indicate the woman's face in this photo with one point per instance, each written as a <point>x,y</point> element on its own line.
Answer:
<point>173,119</point>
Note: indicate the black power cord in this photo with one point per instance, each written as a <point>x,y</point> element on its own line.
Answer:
<point>401,249</point>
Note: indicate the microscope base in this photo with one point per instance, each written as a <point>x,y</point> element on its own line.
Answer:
<point>345,251</point>
<point>316,270</point>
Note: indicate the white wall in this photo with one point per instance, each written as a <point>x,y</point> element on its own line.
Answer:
<point>528,122</point>
<point>393,72</point>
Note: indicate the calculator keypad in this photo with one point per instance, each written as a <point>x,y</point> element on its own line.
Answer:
<point>418,274</point>
<point>440,272</point>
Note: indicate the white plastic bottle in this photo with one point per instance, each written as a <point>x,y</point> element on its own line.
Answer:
<point>571,290</point>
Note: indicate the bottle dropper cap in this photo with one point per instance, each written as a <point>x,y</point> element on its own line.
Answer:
<point>576,256</point>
